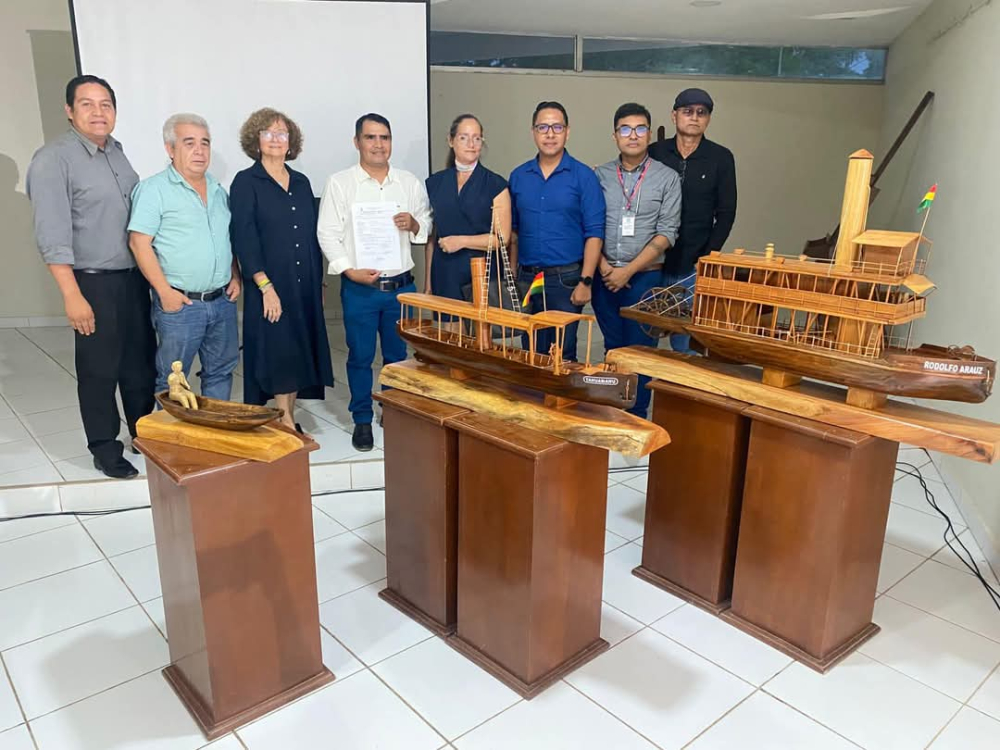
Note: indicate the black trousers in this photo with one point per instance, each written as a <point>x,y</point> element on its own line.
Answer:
<point>120,354</point>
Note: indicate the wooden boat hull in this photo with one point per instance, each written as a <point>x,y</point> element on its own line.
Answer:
<point>935,376</point>
<point>225,415</point>
<point>609,388</point>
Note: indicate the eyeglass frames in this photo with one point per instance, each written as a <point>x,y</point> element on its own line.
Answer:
<point>545,127</point>
<point>626,131</point>
<point>274,135</point>
<point>694,111</point>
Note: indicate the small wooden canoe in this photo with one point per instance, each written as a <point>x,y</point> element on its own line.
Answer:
<point>225,415</point>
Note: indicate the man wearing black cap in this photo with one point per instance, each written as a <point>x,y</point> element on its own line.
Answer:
<point>708,191</point>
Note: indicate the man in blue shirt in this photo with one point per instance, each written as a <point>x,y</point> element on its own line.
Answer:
<point>179,234</point>
<point>558,219</point>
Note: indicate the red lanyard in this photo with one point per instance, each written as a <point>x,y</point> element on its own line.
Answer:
<point>621,181</point>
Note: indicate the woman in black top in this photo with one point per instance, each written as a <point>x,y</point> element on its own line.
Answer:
<point>463,196</point>
<point>286,353</point>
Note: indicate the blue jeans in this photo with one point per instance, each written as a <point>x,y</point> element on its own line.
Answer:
<point>680,342</point>
<point>369,314</point>
<point>559,287</point>
<point>619,331</point>
<point>207,329</point>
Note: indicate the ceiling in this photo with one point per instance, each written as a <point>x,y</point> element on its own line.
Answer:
<point>856,23</point>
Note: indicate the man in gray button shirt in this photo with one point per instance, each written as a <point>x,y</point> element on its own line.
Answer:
<point>80,187</point>
<point>643,200</point>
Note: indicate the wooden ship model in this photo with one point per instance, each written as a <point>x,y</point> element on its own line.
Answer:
<point>830,319</point>
<point>460,334</point>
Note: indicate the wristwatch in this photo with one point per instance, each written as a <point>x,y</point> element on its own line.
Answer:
<point>586,280</point>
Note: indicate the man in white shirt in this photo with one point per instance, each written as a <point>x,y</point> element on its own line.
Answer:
<point>368,296</point>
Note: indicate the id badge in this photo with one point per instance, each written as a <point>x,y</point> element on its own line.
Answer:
<point>628,225</point>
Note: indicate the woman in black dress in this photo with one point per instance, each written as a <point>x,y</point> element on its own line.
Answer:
<point>286,353</point>
<point>462,196</point>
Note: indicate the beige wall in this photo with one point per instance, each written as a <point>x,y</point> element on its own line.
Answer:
<point>791,140</point>
<point>957,146</point>
<point>33,33</point>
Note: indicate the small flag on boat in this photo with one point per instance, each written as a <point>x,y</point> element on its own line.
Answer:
<point>928,199</point>
<point>537,285</point>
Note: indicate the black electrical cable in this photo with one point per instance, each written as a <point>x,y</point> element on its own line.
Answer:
<point>112,511</point>
<point>949,532</point>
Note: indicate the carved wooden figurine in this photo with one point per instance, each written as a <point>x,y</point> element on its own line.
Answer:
<point>179,389</point>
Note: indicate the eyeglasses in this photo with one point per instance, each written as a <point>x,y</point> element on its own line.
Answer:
<point>274,135</point>
<point>475,140</point>
<point>694,111</point>
<point>625,131</point>
<point>545,127</point>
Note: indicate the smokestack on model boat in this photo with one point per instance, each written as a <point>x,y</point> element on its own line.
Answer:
<point>847,320</point>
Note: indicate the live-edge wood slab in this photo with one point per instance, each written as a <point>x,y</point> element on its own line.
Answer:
<point>266,443</point>
<point>583,423</point>
<point>898,421</point>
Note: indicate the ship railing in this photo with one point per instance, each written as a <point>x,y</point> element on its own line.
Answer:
<point>801,336</point>
<point>828,266</point>
<point>809,300</point>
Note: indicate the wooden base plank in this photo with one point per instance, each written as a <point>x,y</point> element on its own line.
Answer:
<point>820,664</point>
<point>214,728</point>
<point>264,444</point>
<point>588,424</point>
<point>527,690</point>
<point>416,614</point>
<point>898,421</point>
<point>679,591</point>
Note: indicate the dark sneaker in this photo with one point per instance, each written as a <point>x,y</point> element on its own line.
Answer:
<point>116,468</point>
<point>362,439</point>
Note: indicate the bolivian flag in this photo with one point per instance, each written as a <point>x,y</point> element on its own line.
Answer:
<point>928,199</point>
<point>537,285</point>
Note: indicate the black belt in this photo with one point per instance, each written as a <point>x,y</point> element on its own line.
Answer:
<point>104,270</point>
<point>552,269</point>
<point>202,296</point>
<point>392,283</point>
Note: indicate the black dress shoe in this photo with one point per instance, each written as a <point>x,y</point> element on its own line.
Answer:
<point>117,468</point>
<point>362,439</point>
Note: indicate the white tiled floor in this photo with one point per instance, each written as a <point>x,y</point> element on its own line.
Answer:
<point>82,630</point>
<point>81,658</point>
<point>41,434</point>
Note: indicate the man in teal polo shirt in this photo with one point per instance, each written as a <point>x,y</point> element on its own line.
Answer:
<point>179,234</point>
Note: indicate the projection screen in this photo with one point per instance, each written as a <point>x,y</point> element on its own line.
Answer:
<point>323,62</point>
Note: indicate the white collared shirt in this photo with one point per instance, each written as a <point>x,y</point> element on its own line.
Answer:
<point>335,228</point>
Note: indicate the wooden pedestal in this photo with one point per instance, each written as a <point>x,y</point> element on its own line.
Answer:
<point>234,540</point>
<point>815,506</point>
<point>421,508</point>
<point>530,552</point>
<point>693,495</point>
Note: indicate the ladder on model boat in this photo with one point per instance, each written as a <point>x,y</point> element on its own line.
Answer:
<point>497,244</point>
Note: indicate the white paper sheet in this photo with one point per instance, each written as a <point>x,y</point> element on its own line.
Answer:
<point>376,237</point>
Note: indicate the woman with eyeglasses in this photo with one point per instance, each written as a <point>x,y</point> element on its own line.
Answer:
<point>286,353</point>
<point>462,196</point>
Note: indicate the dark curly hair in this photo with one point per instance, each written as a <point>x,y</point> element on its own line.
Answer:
<point>262,119</point>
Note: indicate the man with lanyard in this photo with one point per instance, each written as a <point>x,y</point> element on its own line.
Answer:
<point>179,234</point>
<point>80,187</point>
<point>643,213</point>
<point>368,296</point>
<point>708,182</point>
<point>558,219</point>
